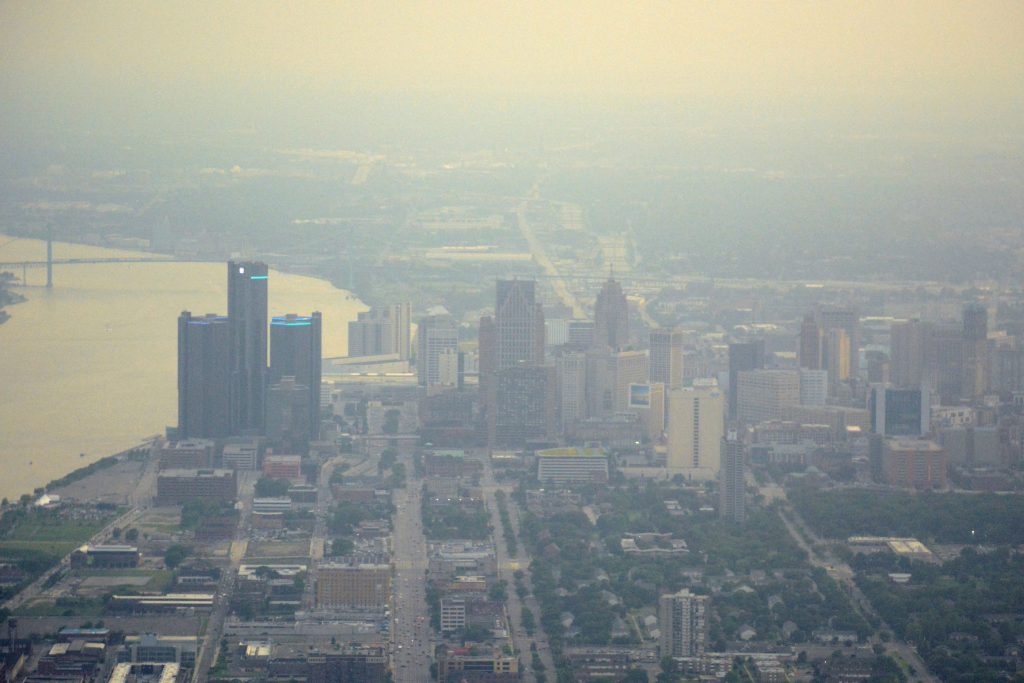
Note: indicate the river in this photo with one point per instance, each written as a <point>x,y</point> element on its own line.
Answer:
<point>90,366</point>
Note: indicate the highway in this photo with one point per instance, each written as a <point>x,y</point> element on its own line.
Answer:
<point>541,257</point>
<point>411,634</point>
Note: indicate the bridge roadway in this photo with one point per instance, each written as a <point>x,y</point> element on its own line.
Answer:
<point>84,261</point>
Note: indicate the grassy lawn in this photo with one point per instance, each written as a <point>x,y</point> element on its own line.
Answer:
<point>278,549</point>
<point>54,549</point>
<point>69,532</point>
<point>48,536</point>
<point>47,608</point>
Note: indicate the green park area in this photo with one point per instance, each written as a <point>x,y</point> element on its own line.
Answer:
<point>35,539</point>
<point>962,614</point>
<point>961,518</point>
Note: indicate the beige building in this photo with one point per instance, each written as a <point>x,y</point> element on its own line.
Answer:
<point>484,664</point>
<point>362,585</point>
<point>837,356</point>
<point>683,622</point>
<point>648,402</point>
<point>609,374</point>
<point>696,425</point>
<point>764,394</point>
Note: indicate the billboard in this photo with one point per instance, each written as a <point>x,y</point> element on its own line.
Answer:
<point>639,395</point>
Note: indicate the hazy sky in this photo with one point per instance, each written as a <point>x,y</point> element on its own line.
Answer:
<point>964,56</point>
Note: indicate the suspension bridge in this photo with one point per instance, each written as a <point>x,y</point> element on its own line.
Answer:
<point>49,262</point>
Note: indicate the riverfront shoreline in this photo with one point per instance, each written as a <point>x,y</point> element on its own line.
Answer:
<point>92,362</point>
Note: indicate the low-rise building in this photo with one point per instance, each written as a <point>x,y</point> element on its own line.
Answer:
<point>148,672</point>
<point>106,557</point>
<point>271,505</point>
<point>489,664</point>
<point>366,586</point>
<point>179,486</point>
<point>241,456</point>
<point>349,664</point>
<point>171,602</point>
<point>562,465</point>
<point>187,454</point>
<point>282,466</point>
<point>150,647</point>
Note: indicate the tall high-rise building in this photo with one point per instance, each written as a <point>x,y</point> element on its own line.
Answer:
<point>525,406</point>
<point>683,622</point>
<point>848,320</point>
<point>809,351</point>
<point>648,402</point>
<point>611,317</point>
<point>581,333</point>
<point>571,375</point>
<point>204,376</point>
<point>900,412</point>
<point>609,374</point>
<point>732,486</point>
<point>519,323</point>
<point>247,316</point>
<point>288,411</point>
<point>765,394</point>
<point>743,356</point>
<point>295,343</point>
<point>976,350</point>
<point>516,387</point>
<point>435,334</point>
<point>487,347</point>
<point>381,331</point>
<point>975,321</point>
<point>666,362</point>
<point>907,343</point>
<point>696,424</point>
<point>944,362</point>
<point>836,356</point>
<point>813,387</point>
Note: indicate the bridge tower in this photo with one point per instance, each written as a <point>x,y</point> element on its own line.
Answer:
<point>49,257</point>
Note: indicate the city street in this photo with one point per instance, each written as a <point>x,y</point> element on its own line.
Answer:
<point>222,600</point>
<point>411,634</point>
<point>506,568</point>
<point>844,575</point>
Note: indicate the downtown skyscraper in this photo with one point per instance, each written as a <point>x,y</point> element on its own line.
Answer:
<point>519,323</point>
<point>611,317</point>
<point>518,390</point>
<point>204,377</point>
<point>247,318</point>
<point>666,364</point>
<point>295,342</point>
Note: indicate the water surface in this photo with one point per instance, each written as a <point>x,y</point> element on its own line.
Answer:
<point>90,366</point>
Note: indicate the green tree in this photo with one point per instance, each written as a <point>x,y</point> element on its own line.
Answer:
<point>528,620</point>
<point>268,487</point>
<point>497,592</point>
<point>175,555</point>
